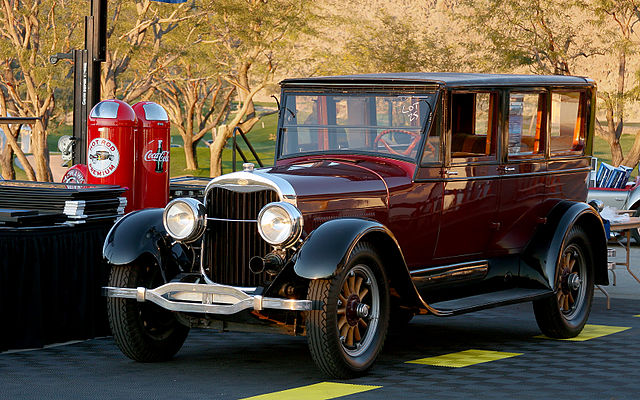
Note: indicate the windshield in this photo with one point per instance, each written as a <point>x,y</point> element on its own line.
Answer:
<point>383,124</point>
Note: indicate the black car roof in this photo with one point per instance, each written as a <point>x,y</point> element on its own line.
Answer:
<point>450,79</point>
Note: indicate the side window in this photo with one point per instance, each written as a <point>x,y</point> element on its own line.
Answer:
<point>473,125</point>
<point>432,152</point>
<point>567,123</point>
<point>526,124</point>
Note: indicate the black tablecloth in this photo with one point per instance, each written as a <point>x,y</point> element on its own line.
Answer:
<point>50,280</point>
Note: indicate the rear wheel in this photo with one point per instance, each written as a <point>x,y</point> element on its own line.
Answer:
<point>347,334</point>
<point>565,314</point>
<point>143,331</point>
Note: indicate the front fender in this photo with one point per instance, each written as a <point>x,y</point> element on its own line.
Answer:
<point>142,233</point>
<point>543,253</point>
<point>327,248</point>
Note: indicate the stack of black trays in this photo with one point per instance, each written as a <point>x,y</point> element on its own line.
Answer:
<point>188,186</point>
<point>24,203</point>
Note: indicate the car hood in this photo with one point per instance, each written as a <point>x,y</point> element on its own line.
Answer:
<point>329,185</point>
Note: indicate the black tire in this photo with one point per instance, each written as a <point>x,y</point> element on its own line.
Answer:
<point>344,338</point>
<point>635,233</point>
<point>564,314</point>
<point>143,331</point>
<point>399,318</point>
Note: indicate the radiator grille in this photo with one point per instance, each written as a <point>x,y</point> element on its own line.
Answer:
<point>229,245</point>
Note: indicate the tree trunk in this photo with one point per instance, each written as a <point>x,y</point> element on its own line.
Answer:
<point>6,162</point>
<point>633,156</point>
<point>215,150</point>
<point>190,155</point>
<point>108,79</point>
<point>41,153</point>
<point>11,141</point>
<point>244,91</point>
<point>609,134</point>
<point>615,114</point>
<point>622,69</point>
<point>616,149</point>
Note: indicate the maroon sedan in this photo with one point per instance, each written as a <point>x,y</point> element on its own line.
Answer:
<point>391,195</point>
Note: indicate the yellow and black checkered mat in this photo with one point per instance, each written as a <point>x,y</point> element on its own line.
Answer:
<point>493,354</point>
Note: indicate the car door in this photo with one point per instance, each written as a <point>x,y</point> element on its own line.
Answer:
<point>523,171</point>
<point>568,167</point>
<point>471,184</point>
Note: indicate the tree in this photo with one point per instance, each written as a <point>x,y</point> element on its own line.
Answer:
<point>579,37</point>
<point>399,46</point>
<point>193,92</point>
<point>136,49</point>
<point>30,31</point>
<point>543,35</point>
<point>196,104</point>
<point>616,20</point>
<point>249,39</point>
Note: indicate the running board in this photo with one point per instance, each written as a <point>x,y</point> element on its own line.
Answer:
<point>488,300</point>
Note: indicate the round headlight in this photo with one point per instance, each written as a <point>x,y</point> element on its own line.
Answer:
<point>280,224</point>
<point>184,219</point>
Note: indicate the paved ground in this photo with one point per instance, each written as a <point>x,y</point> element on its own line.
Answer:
<point>237,366</point>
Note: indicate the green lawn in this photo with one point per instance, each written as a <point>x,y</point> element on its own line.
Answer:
<point>261,138</point>
<point>602,151</point>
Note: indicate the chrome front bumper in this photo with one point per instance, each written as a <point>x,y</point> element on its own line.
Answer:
<point>205,298</point>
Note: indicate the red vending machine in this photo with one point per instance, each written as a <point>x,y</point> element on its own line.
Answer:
<point>152,145</point>
<point>111,157</point>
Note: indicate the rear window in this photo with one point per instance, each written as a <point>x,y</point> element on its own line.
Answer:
<point>567,133</point>
<point>526,124</point>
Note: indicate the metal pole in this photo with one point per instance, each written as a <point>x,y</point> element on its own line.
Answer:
<point>80,75</point>
<point>87,75</point>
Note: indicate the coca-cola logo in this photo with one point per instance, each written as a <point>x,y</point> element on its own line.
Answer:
<point>155,157</point>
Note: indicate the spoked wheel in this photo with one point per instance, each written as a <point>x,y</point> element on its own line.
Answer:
<point>143,331</point>
<point>346,336</point>
<point>358,310</point>
<point>565,314</point>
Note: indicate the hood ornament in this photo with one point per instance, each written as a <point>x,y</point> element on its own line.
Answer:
<point>248,167</point>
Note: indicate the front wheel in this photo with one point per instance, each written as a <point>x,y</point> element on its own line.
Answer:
<point>565,314</point>
<point>347,334</point>
<point>144,332</point>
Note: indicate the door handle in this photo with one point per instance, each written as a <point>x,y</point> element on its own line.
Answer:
<point>451,172</point>
<point>507,169</point>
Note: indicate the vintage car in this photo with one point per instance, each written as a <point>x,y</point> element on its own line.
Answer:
<point>391,195</point>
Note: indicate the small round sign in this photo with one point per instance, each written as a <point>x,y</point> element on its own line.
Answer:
<point>103,157</point>
<point>76,174</point>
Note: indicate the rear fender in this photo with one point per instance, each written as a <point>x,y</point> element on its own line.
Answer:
<point>543,253</point>
<point>141,233</point>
